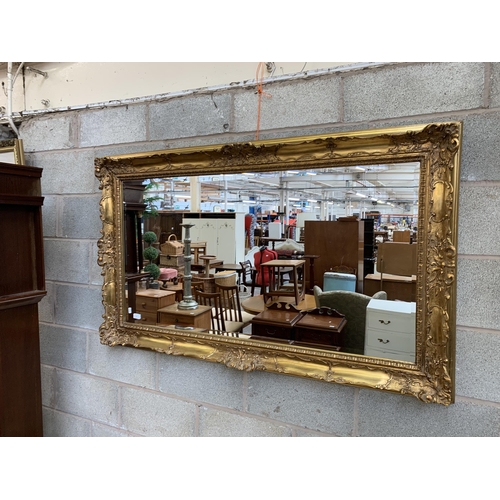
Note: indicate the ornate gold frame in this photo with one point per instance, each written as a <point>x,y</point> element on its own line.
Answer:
<point>436,146</point>
<point>13,147</point>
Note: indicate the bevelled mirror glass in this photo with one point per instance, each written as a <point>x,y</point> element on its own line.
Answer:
<point>335,253</point>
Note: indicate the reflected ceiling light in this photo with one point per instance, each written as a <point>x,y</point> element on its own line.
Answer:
<point>248,173</point>
<point>249,201</point>
<point>292,171</point>
<point>183,196</point>
<point>359,168</point>
<point>362,195</point>
<point>293,199</point>
<point>312,201</point>
<point>310,173</point>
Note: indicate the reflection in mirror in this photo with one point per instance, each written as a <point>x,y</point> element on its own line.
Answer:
<point>11,151</point>
<point>330,257</point>
<point>341,241</point>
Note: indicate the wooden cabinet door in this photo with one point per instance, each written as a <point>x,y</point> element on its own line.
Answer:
<point>22,286</point>
<point>337,243</point>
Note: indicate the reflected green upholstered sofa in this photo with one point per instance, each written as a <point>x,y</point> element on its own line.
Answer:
<point>353,306</point>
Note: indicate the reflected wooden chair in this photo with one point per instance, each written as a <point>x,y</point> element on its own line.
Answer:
<point>233,311</point>
<point>214,300</point>
<point>343,269</point>
<point>197,286</point>
<point>248,275</point>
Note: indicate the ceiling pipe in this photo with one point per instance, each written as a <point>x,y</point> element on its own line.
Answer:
<point>10,87</point>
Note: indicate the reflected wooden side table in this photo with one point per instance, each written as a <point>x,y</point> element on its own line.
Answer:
<point>230,267</point>
<point>255,305</point>
<point>298,290</point>
<point>267,240</point>
<point>198,248</point>
<point>311,259</point>
<point>207,278</point>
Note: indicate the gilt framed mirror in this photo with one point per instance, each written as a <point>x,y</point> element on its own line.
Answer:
<point>11,151</point>
<point>398,189</point>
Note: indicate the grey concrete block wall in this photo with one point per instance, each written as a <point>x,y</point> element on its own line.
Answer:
<point>481,149</point>
<point>479,207</point>
<point>113,125</point>
<point>65,172</point>
<point>320,407</point>
<point>58,131</point>
<point>190,116</point>
<point>297,104</point>
<point>415,89</point>
<point>477,293</point>
<point>408,417</point>
<point>95,390</point>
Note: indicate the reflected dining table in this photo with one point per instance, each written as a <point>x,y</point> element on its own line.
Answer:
<point>255,305</point>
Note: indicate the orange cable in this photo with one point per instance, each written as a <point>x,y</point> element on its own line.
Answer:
<point>259,77</point>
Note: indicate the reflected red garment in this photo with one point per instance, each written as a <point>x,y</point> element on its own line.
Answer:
<point>262,278</point>
<point>248,222</point>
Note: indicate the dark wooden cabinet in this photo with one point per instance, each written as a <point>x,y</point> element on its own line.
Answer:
<point>133,208</point>
<point>276,322</point>
<point>337,243</point>
<point>321,326</point>
<point>168,222</point>
<point>369,246</point>
<point>22,286</point>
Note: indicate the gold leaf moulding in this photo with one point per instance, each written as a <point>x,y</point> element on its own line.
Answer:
<point>436,146</point>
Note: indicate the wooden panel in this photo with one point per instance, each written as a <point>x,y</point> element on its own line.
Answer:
<point>168,223</point>
<point>20,180</point>
<point>22,285</point>
<point>401,236</point>
<point>396,287</point>
<point>337,243</point>
<point>20,384</point>
<point>397,258</point>
<point>17,226</point>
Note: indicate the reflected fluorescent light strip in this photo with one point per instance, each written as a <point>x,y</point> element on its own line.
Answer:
<point>248,173</point>
<point>249,201</point>
<point>294,199</point>
<point>359,168</point>
<point>183,196</point>
<point>310,173</point>
<point>292,171</point>
<point>361,195</point>
<point>312,201</point>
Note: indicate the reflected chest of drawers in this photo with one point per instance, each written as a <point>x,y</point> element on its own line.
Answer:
<point>276,322</point>
<point>149,301</point>
<point>321,326</point>
<point>390,330</point>
<point>201,317</point>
